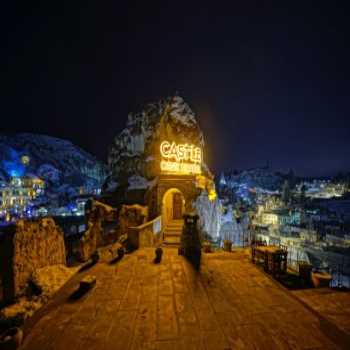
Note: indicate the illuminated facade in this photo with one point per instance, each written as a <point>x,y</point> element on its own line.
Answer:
<point>16,196</point>
<point>157,161</point>
<point>180,181</point>
<point>281,217</point>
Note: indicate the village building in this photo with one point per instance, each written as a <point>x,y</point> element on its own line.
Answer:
<point>281,217</point>
<point>17,194</point>
<point>158,161</point>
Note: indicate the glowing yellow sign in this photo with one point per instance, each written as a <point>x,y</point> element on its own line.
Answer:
<point>182,152</point>
<point>180,159</point>
<point>177,167</point>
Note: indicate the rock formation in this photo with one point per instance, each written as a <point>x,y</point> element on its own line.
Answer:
<point>134,154</point>
<point>135,160</point>
<point>26,247</point>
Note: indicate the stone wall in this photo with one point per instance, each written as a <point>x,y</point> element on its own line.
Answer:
<point>145,235</point>
<point>89,241</point>
<point>25,247</point>
<point>95,235</point>
<point>131,216</point>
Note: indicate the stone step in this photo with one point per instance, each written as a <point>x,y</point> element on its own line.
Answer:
<point>177,228</point>
<point>169,229</point>
<point>171,225</point>
<point>172,240</point>
<point>175,222</point>
<point>172,234</point>
<point>172,231</point>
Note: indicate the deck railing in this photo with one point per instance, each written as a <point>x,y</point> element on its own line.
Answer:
<point>145,235</point>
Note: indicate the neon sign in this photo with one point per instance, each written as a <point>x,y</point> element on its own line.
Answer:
<point>180,158</point>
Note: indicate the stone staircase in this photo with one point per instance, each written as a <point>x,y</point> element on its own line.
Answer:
<point>172,233</point>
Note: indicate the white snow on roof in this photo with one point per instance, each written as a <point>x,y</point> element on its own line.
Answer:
<point>181,111</point>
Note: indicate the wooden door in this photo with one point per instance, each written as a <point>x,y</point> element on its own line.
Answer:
<point>177,206</point>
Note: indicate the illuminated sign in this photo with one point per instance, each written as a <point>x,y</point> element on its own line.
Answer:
<point>182,152</point>
<point>180,158</point>
<point>182,168</point>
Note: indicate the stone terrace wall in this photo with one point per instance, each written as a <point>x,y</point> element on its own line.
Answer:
<point>30,245</point>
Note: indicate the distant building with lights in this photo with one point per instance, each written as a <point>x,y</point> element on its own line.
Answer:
<point>281,217</point>
<point>17,195</point>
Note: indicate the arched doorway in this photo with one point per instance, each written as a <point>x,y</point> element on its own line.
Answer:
<point>173,205</point>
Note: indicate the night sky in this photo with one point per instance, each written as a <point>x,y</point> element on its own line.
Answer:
<point>267,83</point>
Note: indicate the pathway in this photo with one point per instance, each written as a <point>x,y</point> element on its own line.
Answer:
<point>136,304</point>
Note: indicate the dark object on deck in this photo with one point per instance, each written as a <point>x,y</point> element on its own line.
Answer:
<point>87,283</point>
<point>120,252</point>
<point>227,245</point>
<point>33,288</point>
<point>95,257</point>
<point>207,247</point>
<point>159,253</point>
<point>11,322</point>
<point>11,339</point>
<point>120,255</point>
<point>126,243</point>
<point>274,258</point>
<point>305,271</point>
<point>190,242</point>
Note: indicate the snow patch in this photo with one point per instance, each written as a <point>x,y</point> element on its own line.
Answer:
<point>210,213</point>
<point>137,182</point>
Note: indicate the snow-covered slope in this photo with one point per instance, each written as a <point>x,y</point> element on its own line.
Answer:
<point>259,178</point>
<point>63,166</point>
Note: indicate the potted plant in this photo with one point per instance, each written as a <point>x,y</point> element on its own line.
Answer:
<point>120,252</point>
<point>305,271</point>
<point>227,245</point>
<point>11,339</point>
<point>95,257</point>
<point>87,283</point>
<point>207,247</point>
<point>159,253</point>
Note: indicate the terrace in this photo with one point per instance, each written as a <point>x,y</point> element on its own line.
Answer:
<point>229,304</point>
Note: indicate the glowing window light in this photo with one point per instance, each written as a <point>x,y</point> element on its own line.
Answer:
<point>212,195</point>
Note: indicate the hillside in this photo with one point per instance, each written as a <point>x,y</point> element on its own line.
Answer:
<point>64,167</point>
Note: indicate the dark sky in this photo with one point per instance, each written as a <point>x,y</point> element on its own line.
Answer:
<point>267,82</point>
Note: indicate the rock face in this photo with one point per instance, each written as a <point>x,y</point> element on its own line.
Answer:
<point>157,161</point>
<point>26,247</point>
<point>134,154</point>
<point>94,236</point>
